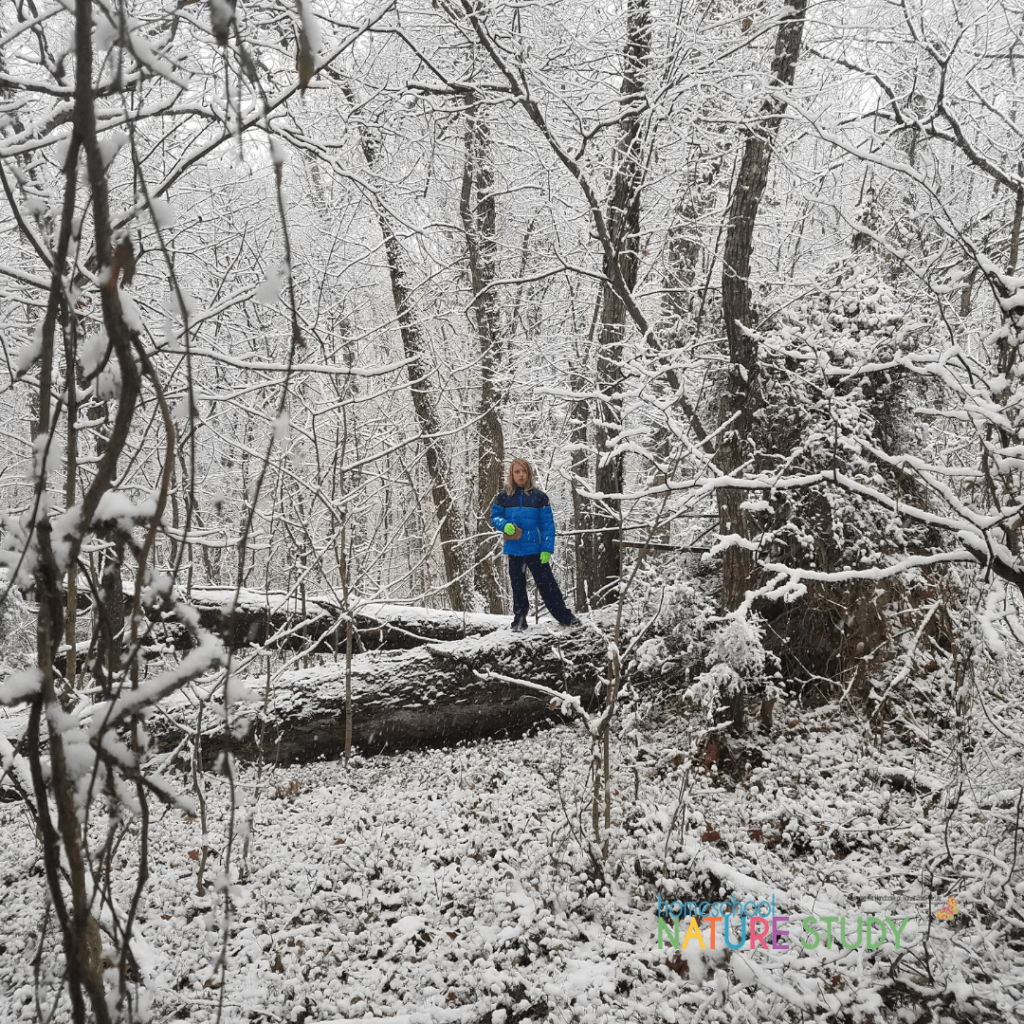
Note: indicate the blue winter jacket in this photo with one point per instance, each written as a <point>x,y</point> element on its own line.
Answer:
<point>531,512</point>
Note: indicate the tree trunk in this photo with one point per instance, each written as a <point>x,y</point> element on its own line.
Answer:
<point>579,415</point>
<point>477,209</point>
<point>273,620</point>
<point>449,517</point>
<point>740,400</point>
<point>677,327</point>
<point>623,222</point>
<point>408,699</point>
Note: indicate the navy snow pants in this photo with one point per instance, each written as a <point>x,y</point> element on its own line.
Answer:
<point>546,584</point>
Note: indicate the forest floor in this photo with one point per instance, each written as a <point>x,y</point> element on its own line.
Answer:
<point>460,885</point>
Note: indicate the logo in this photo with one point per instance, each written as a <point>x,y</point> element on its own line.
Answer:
<point>739,921</point>
<point>946,912</point>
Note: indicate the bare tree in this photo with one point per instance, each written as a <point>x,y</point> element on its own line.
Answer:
<point>96,369</point>
<point>477,210</point>
<point>450,518</point>
<point>621,262</point>
<point>740,400</point>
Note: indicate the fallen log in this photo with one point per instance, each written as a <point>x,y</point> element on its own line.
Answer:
<point>316,625</point>
<point>430,696</point>
<point>395,627</point>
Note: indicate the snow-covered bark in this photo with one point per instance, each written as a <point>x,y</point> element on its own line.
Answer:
<point>437,694</point>
<point>740,399</point>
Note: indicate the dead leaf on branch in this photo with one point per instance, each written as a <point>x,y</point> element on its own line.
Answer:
<point>305,62</point>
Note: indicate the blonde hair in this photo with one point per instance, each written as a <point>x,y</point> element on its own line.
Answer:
<point>510,484</point>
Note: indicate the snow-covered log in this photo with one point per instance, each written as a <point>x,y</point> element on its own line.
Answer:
<point>436,694</point>
<point>318,623</point>
<point>401,627</point>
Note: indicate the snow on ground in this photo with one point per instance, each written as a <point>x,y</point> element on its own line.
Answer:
<point>458,886</point>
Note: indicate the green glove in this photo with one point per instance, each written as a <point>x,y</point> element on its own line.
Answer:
<point>545,557</point>
<point>510,528</point>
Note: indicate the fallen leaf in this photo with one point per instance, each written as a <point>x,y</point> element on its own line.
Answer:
<point>678,966</point>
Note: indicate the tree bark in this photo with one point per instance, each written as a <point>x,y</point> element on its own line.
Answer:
<point>269,619</point>
<point>740,400</point>
<point>623,223</point>
<point>676,325</point>
<point>449,516</point>
<point>477,209</point>
<point>409,699</point>
<point>579,415</point>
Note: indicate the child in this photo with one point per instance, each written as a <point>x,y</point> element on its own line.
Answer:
<point>522,513</point>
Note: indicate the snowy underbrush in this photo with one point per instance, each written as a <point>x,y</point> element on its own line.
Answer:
<point>17,632</point>
<point>459,885</point>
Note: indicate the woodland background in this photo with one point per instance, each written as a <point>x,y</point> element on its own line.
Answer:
<point>284,286</point>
